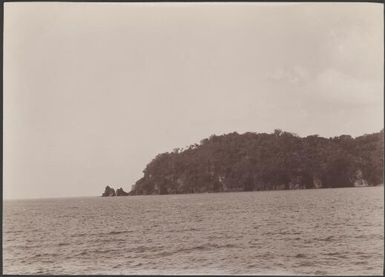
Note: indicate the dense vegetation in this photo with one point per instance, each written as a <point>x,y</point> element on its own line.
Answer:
<point>253,161</point>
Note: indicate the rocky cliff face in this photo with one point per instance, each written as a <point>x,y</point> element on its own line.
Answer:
<point>358,179</point>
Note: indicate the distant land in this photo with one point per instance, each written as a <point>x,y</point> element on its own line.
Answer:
<point>261,161</point>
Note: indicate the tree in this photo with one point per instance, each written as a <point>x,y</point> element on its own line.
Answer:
<point>260,161</point>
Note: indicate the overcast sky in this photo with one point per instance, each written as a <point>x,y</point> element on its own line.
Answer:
<point>93,91</point>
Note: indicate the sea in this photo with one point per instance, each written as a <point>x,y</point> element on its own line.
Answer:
<point>302,232</point>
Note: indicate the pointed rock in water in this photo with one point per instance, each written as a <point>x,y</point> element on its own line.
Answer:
<point>121,192</point>
<point>108,192</point>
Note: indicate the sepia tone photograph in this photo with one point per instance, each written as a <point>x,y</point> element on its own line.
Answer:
<point>177,138</point>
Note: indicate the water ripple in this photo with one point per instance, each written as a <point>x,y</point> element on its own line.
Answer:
<point>279,232</point>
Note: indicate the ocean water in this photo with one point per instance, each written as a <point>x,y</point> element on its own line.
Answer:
<point>316,232</point>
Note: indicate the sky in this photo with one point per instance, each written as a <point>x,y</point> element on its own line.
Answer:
<point>94,91</point>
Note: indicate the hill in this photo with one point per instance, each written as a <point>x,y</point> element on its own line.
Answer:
<point>260,161</point>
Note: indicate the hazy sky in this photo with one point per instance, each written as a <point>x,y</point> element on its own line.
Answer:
<point>93,91</point>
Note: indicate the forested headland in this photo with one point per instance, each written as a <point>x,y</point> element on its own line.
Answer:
<point>261,161</point>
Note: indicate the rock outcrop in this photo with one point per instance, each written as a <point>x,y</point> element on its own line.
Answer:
<point>358,179</point>
<point>108,191</point>
<point>121,192</point>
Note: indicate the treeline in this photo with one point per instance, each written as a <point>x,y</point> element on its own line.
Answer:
<point>260,161</point>
<point>253,161</point>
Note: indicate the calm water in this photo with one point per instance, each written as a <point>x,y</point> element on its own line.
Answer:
<point>326,231</point>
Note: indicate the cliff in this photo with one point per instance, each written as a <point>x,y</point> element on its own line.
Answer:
<point>252,161</point>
